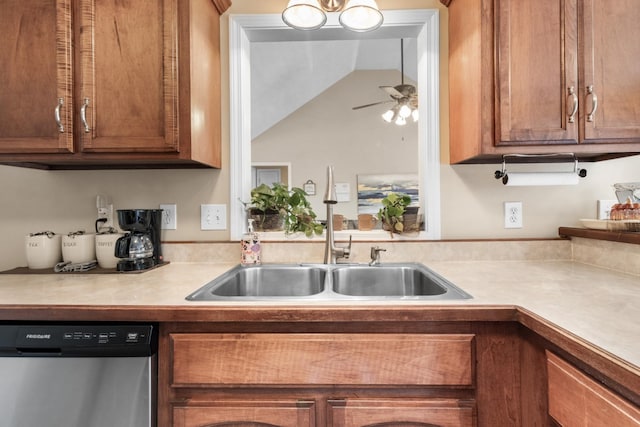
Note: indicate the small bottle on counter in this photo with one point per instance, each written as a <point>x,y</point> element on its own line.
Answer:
<point>250,246</point>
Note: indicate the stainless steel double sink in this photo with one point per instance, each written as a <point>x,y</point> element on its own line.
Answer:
<point>406,281</point>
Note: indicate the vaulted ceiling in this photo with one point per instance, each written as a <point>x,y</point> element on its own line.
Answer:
<point>287,74</point>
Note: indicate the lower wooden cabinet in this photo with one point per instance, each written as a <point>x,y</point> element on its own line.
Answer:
<point>577,400</point>
<point>321,379</point>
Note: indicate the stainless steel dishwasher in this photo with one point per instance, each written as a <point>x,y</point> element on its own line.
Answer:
<point>78,375</point>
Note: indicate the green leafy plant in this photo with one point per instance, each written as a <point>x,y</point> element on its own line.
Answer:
<point>392,212</point>
<point>291,206</point>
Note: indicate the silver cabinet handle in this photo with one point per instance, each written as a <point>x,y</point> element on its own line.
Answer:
<point>574,108</point>
<point>594,103</point>
<point>83,115</point>
<point>57,115</point>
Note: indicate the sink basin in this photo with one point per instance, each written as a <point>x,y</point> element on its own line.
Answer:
<point>270,281</point>
<point>328,282</point>
<point>394,280</point>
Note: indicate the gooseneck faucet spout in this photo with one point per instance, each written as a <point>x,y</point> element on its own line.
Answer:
<point>331,251</point>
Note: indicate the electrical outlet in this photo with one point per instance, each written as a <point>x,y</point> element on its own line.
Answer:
<point>604,208</point>
<point>169,217</point>
<point>105,211</point>
<point>213,217</point>
<point>512,214</point>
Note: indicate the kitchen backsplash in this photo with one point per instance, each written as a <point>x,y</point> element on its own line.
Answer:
<point>622,257</point>
<point>424,251</point>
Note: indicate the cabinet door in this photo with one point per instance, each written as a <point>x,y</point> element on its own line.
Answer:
<point>537,75</point>
<point>610,85</point>
<point>246,413</point>
<point>129,93</point>
<point>577,400</point>
<point>35,77</point>
<point>399,413</point>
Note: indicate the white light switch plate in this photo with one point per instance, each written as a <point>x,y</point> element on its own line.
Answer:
<point>213,217</point>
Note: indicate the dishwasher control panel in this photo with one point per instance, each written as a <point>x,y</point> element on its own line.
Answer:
<point>77,339</point>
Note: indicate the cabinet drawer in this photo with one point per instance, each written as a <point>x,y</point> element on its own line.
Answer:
<point>577,400</point>
<point>289,413</point>
<point>400,412</point>
<point>322,359</point>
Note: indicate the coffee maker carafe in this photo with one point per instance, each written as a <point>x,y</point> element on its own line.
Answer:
<point>139,248</point>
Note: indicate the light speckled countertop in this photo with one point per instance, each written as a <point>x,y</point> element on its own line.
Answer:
<point>595,305</point>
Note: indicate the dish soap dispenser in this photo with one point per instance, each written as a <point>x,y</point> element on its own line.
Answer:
<point>251,250</point>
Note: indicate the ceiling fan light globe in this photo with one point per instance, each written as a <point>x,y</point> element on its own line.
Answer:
<point>387,116</point>
<point>415,115</point>
<point>361,16</point>
<point>401,121</point>
<point>304,15</point>
<point>404,111</point>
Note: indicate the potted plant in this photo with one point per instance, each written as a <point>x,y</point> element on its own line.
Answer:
<point>392,212</point>
<point>278,208</point>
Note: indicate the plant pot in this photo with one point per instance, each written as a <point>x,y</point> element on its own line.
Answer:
<point>411,222</point>
<point>267,221</point>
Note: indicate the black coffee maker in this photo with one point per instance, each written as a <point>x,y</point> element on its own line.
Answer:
<point>140,247</point>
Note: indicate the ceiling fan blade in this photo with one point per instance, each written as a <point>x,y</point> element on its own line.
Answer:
<point>392,91</point>
<point>370,105</point>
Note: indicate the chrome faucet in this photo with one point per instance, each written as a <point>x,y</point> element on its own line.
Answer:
<point>331,251</point>
<point>375,255</point>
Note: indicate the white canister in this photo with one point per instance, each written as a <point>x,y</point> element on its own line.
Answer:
<point>43,250</point>
<point>105,249</point>
<point>78,248</point>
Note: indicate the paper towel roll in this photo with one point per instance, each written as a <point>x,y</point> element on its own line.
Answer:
<point>540,178</point>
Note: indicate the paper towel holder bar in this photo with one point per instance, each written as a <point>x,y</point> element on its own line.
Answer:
<point>571,156</point>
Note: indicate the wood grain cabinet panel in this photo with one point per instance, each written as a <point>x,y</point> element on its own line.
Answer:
<point>400,413</point>
<point>129,76</point>
<point>322,359</point>
<point>576,400</point>
<point>537,72</point>
<point>543,76</point>
<point>246,413</point>
<point>36,77</point>
<point>610,71</point>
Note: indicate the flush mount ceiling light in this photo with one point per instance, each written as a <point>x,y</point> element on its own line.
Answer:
<point>356,15</point>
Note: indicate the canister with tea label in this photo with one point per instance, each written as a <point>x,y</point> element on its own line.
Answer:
<point>43,249</point>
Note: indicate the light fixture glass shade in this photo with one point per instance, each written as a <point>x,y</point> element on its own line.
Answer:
<point>401,121</point>
<point>415,115</point>
<point>387,116</point>
<point>304,15</point>
<point>405,111</point>
<point>361,15</point>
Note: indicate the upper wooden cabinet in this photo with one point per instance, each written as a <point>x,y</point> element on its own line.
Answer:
<point>36,77</point>
<point>134,84</point>
<point>543,76</point>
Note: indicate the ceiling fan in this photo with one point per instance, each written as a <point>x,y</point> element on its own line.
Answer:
<point>405,97</point>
